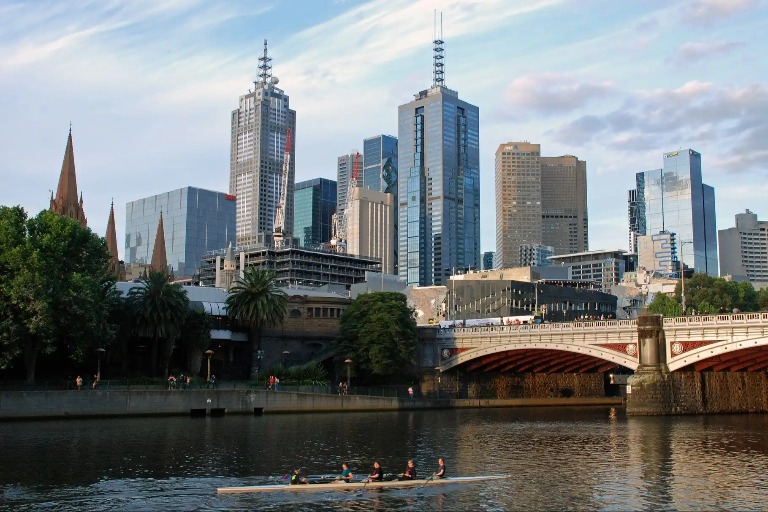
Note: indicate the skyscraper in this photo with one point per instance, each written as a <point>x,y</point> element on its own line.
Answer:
<point>518,200</point>
<point>438,183</point>
<point>345,166</point>
<point>315,204</point>
<point>675,200</point>
<point>260,126</point>
<point>564,220</point>
<point>371,226</point>
<point>379,170</point>
<point>744,248</point>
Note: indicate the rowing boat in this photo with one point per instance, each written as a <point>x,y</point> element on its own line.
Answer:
<point>343,486</point>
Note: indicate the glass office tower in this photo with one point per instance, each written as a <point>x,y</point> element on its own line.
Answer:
<point>675,200</point>
<point>195,221</point>
<point>315,204</point>
<point>380,164</point>
<point>438,186</point>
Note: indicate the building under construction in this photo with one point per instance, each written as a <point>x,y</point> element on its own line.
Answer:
<point>293,266</point>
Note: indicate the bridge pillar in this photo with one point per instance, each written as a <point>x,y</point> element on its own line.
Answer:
<point>649,390</point>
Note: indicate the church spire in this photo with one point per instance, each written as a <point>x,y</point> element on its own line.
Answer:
<point>159,258</point>
<point>114,262</point>
<point>66,202</point>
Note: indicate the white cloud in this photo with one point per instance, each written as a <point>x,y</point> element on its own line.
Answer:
<point>552,93</point>
<point>692,52</point>
<point>711,11</point>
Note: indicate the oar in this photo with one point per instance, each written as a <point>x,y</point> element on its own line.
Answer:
<point>425,483</point>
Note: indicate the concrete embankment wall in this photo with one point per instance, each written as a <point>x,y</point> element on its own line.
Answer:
<point>71,404</point>
<point>697,393</point>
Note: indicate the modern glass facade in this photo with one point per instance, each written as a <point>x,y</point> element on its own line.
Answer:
<point>315,203</point>
<point>380,164</point>
<point>675,200</point>
<point>438,187</point>
<point>195,221</point>
<point>345,166</point>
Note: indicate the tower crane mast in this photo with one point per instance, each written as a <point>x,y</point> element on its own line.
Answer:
<point>278,231</point>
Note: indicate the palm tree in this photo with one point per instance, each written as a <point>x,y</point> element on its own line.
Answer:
<point>256,300</point>
<point>160,309</point>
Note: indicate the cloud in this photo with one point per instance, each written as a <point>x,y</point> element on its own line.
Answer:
<point>691,52</point>
<point>552,93</point>
<point>711,11</point>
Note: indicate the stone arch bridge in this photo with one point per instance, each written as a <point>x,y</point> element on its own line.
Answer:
<point>729,343</point>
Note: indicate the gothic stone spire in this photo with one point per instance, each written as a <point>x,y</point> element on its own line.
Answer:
<point>114,262</point>
<point>159,258</point>
<point>66,202</point>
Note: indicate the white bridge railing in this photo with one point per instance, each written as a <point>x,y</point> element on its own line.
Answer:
<point>606,325</point>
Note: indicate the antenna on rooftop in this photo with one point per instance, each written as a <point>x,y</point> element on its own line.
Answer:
<point>438,66</point>
<point>265,67</point>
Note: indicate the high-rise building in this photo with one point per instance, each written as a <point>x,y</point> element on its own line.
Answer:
<point>744,248</point>
<point>195,221</point>
<point>260,128</point>
<point>371,226</point>
<point>379,167</point>
<point>315,204</point>
<point>535,255</point>
<point>518,200</point>
<point>636,215</point>
<point>564,222</point>
<point>488,260</point>
<point>657,254</point>
<point>606,268</point>
<point>675,200</point>
<point>345,166</point>
<point>438,183</point>
<point>541,202</point>
<point>66,202</point>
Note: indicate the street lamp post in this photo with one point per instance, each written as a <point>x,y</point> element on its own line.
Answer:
<point>285,357</point>
<point>209,353</point>
<point>348,362</point>
<point>99,352</point>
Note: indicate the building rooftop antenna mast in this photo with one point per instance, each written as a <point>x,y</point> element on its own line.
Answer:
<point>438,71</point>
<point>265,68</point>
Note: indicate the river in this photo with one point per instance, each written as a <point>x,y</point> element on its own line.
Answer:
<point>559,458</point>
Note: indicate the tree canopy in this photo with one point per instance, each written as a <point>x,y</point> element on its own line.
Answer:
<point>378,332</point>
<point>257,301</point>
<point>710,295</point>
<point>55,288</point>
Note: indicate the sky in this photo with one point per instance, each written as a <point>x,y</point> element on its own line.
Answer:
<point>149,86</point>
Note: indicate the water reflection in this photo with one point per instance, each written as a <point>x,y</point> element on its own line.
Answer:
<point>580,458</point>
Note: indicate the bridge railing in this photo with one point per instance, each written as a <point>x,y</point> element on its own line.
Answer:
<point>591,325</point>
<point>735,318</point>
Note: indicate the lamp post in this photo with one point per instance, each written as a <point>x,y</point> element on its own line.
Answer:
<point>209,353</point>
<point>348,362</point>
<point>682,273</point>
<point>285,357</point>
<point>438,372</point>
<point>99,352</point>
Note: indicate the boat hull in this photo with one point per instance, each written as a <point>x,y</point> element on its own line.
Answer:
<point>350,486</point>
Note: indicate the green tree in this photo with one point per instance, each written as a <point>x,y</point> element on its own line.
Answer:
<point>762,299</point>
<point>378,332</point>
<point>257,301</point>
<point>55,288</point>
<point>160,309</point>
<point>665,305</point>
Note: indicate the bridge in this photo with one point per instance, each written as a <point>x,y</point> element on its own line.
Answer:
<point>729,343</point>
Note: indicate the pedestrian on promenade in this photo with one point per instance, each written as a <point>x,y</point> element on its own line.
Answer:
<point>410,392</point>
<point>213,381</point>
<point>171,382</point>
<point>277,383</point>
<point>95,381</point>
<point>79,383</point>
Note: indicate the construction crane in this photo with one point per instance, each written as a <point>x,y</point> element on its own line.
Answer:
<point>340,220</point>
<point>278,231</point>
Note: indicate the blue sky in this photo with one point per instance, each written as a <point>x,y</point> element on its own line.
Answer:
<point>149,86</point>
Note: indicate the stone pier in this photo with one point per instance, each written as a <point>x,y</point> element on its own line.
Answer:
<point>649,392</point>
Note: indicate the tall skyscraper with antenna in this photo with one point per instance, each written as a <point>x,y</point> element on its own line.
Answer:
<point>438,181</point>
<point>260,126</point>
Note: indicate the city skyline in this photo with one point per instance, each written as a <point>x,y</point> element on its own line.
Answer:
<point>148,89</point>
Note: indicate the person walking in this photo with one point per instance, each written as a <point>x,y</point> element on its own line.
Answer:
<point>410,392</point>
<point>79,383</point>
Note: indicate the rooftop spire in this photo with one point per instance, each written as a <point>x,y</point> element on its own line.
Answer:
<point>114,262</point>
<point>66,202</point>
<point>265,67</point>
<point>438,65</point>
<point>159,258</point>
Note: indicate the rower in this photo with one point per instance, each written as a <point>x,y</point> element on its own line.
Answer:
<point>410,472</point>
<point>440,473</point>
<point>378,474</point>
<point>346,473</point>
<point>296,478</point>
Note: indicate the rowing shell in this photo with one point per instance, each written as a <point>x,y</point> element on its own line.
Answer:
<point>341,486</point>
